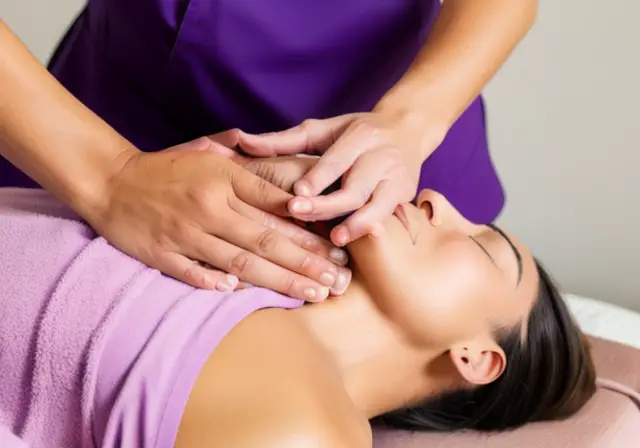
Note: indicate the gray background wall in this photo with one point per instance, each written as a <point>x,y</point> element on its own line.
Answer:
<point>563,125</point>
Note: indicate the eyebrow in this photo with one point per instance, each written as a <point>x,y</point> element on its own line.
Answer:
<point>515,250</point>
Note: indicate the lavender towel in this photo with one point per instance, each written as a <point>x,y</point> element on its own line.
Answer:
<point>97,349</point>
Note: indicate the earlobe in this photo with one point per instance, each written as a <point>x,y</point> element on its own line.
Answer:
<point>478,365</point>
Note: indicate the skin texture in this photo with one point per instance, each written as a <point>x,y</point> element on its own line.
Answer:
<point>417,320</point>
<point>185,211</point>
<point>378,154</point>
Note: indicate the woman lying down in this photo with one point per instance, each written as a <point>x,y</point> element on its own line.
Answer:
<point>446,325</point>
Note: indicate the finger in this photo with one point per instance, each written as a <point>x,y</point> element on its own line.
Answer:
<point>194,274</point>
<point>229,139</point>
<point>335,162</point>
<point>311,137</point>
<point>270,244</point>
<point>296,234</point>
<point>369,219</point>
<point>258,192</point>
<point>253,269</point>
<point>281,171</point>
<point>220,143</point>
<point>358,185</point>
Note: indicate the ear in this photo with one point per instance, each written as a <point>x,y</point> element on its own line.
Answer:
<point>479,363</point>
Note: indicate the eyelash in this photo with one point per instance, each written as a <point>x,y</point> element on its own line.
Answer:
<point>481,247</point>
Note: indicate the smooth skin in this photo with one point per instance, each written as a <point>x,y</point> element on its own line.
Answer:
<point>308,377</point>
<point>379,154</point>
<point>186,211</point>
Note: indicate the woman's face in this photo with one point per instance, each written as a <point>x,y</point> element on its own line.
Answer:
<point>443,278</point>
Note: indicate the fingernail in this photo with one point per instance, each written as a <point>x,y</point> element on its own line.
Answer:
<point>339,256</point>
<point>301,205</point>
<point>318,295</point>
<point>302,188</point>
<point>228,284</point>
<point>327,279</point>
<point>342,236</point>
<point>310,293</point>
<point>323,293</point>
<point>342,282</point>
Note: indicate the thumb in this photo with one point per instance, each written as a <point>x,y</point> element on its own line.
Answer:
<point>221,143</point>
<point>310,137</point>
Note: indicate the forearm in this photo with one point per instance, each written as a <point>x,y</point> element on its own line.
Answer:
<point>50,135</point>
<point>468,43</point>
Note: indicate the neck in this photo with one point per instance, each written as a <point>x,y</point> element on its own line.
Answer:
<point>380,368</point>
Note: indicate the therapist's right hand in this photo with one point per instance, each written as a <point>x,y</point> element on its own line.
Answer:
<point>201,218</point>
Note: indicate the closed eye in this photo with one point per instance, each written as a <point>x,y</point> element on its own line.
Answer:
<point>483,249</point>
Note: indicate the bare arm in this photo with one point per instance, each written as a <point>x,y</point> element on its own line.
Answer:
<point>50,135</point>
<point>188,213</point>
<point>382,152</point>
<point>469,42</point>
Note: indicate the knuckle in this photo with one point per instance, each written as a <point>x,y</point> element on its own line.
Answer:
<point>307,128</point>
<point>179,230</point>
<point>332,166</point>
<point>308,124</point>
<point>193,276</point>
<point>395,155</point>
<point>240,264</point>
<point>306,263</point>
<point>263,169</point>
<point>163,241</point>
<point>267,241</point>
<point>261,190</point>
<point>203,198</point>
<point>365,128</point>
<point>288,284</point>
<point>363,197</point>
<point>153,256</point>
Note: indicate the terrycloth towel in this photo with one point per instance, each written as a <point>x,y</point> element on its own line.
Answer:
<point>97,349</point>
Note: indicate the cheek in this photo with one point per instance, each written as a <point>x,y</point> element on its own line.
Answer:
<point>452,296</point>
<point>438,293</point>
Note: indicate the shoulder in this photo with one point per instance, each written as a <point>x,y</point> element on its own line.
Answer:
<point>267,384</point>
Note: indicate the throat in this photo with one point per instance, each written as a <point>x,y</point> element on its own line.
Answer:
<point>380,368</point>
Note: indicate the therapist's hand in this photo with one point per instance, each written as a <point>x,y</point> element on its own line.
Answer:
<point>201,218</point>
<point>378,155</point>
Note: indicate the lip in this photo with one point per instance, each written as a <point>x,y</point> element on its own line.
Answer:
<point>402,216</point>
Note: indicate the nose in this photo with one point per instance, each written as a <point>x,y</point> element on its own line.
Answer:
<point>442,212</point>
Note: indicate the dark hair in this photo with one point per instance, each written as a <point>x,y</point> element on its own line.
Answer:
<point>549,376</point>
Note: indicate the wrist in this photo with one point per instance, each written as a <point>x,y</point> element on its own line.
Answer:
<point>90,194</point>
<point>428,127</point>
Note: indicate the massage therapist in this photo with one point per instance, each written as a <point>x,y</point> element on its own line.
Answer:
<point>386,91</point>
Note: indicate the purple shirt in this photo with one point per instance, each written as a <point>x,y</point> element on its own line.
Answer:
<point>165,71</point>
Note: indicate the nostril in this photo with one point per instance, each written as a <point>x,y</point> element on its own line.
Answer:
<point>428,208</point>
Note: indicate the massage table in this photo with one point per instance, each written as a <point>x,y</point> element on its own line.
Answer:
<point>611,419</point>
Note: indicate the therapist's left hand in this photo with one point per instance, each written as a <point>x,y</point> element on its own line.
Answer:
<point>378,155</point>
